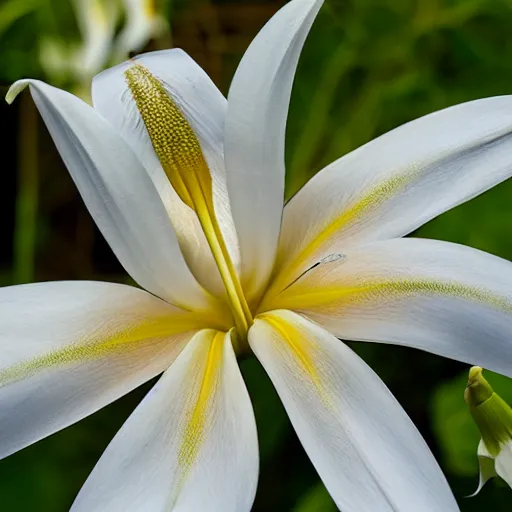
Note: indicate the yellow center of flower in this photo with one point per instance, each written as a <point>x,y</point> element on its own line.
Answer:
<point>182,159</point>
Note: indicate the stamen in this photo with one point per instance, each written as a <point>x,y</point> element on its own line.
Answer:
<point>182,159</point>
<point>173,140</point>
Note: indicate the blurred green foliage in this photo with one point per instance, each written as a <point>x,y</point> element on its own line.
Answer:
<point>368,66</point>
<point>315,500</point>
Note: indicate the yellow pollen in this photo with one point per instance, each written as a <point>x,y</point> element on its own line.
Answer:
<point>172,137</point>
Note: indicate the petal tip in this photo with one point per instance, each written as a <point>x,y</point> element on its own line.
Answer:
<point>15,89</point>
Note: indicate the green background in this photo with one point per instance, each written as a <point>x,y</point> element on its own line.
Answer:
<point>368,66</point>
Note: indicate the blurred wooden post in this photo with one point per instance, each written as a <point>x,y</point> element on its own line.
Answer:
<point>216,36</point>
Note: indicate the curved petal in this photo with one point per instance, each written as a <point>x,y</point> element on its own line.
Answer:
<point>503,463</point>
<point>486,467</point>
<point>255,135</point>
<point>70,348</point>
<point>365,448</point>
<point>204,106</point>
<point>397,182</point>
<point>436,296</point>
<point>190,445</point>
<point>118,193</point>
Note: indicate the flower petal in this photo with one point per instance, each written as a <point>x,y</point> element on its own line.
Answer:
<point>70,348</point>
<point>255,135</point>
<point>486,467</point>
<point>190,445</point>
<point>399,181</point>
<point>436,296</point>
<point>365,448</point>
<point>503,463</point>
<point>204,106</point>
<point>118,193</point>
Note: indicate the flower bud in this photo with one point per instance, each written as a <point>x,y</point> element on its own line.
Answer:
<point>493,417</point>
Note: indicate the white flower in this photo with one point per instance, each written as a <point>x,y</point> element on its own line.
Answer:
<point>97,21</point>
<point>493,417</point>
<point>227,268</point>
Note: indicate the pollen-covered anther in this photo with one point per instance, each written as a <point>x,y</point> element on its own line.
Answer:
<point>171,135</point>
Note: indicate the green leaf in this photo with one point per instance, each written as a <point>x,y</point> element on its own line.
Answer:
<point>15,9</point>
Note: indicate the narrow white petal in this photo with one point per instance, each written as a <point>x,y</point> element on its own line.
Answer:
<point>255,134</point>
<point>504,463</point>
<point>486,467</point>
<point>436,296</point>
<point>69,348</point>
<point>119,195</point>
<point>190,445</point>
<point>204,106</point>
<point>365,448</point>
<point>399,181</point>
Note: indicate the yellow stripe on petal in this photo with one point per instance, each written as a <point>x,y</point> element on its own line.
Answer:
<point>301,348</point>
<point>287,270</point>
<point>100,344</point>
<point>308,296</point>
<point>200,407</point>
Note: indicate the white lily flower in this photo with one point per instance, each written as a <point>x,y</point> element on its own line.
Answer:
<point>97,23</point>
<point>62,59</point>
<point>188,190</point>
<point>493,416</point>
<point>97,20</point>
